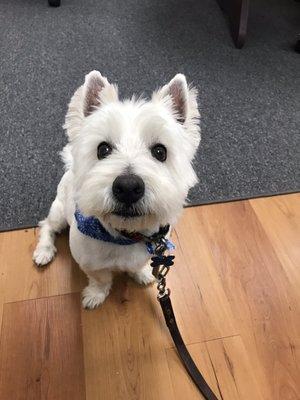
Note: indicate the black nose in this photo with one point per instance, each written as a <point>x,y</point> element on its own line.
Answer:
<point>128,188</point>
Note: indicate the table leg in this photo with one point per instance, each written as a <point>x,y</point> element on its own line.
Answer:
<point>237,11</point>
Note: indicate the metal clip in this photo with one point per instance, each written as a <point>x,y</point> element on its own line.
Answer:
<point>161,246</point>
<point>163,271</point>
<point>161,264</point>
<point>161,287</point>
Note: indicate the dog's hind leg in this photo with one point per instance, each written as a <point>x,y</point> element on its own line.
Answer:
<point>54,223</point>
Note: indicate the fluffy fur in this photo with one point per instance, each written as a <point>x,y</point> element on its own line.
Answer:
<point>132,127</point>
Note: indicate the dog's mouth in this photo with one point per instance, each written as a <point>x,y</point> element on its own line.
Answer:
<point>132,218</point>
<point>128,212</point>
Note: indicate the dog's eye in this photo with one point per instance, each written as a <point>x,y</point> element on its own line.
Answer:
<point>159,152</point>
<point>104,150</point>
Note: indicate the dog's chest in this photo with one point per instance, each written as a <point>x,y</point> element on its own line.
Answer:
<point>93,254</point>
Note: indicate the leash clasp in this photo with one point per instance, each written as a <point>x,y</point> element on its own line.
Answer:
<point>161,265</point>
<point>161,283</point>
<point>158,244</point>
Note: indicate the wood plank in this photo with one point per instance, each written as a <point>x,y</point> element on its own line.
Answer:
<point>124,347</point>
<point>41,354</point>
<point>280,219</point>
<point>21,280</point>
<point>233,369</point>
<point>225,365</point>
<point>184,387</point>
<point>258,292</point>
<point>200,303</point>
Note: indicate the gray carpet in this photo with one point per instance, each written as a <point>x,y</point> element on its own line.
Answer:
<point>249,98</point>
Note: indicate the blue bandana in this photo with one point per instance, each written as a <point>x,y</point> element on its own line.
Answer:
<point>92,227</point>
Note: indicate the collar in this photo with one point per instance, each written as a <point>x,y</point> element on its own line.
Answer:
<point>92,227</point>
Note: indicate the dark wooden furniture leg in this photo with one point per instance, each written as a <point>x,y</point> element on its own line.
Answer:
<point>54,3</point>
<point>237,11</point>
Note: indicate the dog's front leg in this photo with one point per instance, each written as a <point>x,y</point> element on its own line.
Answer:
<point>54,223</point>
<point>95,293</point>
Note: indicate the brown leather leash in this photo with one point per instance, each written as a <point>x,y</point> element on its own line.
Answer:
<point>157,245</point>
<point>160,267</point>
<point>183,352</point>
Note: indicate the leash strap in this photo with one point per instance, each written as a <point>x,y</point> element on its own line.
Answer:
<point>185,356</point>
<point>158,244</point>
<point>160,267</point>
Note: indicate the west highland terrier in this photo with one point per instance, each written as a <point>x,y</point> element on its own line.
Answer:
<point>128,172</point>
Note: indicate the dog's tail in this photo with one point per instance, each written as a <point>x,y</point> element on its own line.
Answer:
<point>74,118</point>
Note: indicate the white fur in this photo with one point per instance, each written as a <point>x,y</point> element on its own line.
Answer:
<point>132,127</point>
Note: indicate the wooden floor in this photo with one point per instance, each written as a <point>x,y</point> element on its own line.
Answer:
<point>235,290</point>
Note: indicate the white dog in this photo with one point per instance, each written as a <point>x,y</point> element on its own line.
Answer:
<point>128,169</point>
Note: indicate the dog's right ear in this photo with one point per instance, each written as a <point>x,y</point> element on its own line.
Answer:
<point>96,91</point>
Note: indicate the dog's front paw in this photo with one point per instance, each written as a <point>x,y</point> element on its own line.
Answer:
<point>144,276</point>
<point>92,297</point>
<point>43,254</point>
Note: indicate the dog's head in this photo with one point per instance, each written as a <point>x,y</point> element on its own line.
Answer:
<point>132,159</point>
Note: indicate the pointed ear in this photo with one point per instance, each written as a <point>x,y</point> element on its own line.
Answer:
<point>94,84</point>
<point>182,99</point>
<point>178,91</point>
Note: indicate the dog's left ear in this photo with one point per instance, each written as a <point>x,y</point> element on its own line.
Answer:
<point>182,100</point>
<point>177,90</point>
<point>97,90</point>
